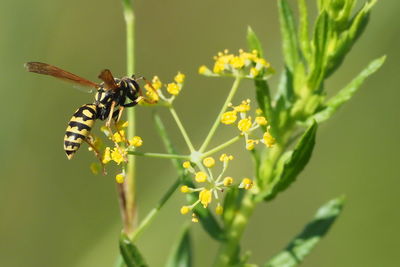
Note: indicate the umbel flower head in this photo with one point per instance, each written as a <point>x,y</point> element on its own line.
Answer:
<point>238,115</point>
<point>247,64</point>
<point>173,89</point>
<point>209,186</point>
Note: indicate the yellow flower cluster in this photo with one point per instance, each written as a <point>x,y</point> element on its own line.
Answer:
<point>247,125</point>
<point>172,88</point>
<point>211,186</point>
<point>249,64</point>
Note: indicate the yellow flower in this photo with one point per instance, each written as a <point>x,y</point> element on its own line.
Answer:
<point>219,67</point>
<point>268,139</point>
<point>260,120</point>
<point>173,88</point>
<point>119,178</point>
<point>185,209</point>
<point>259,111</point>
<point>228,181</point>
<point>219,209</point>
<point>118,156</point>
<point>107,156</point>
<point>209,162</point>
<point>246,183</point>
<point>254,72</point>
<point>201,177</point>
<point>156,83</point>
<point>244,125</point>
<point>205,197</point>
<point>185,189</point>
<point>228,117</point>
<point>119,137</point>
<point>151,94</point>
<point>244,106</point>
<point>136,141</point>
<point>225,158</point>
<point>186,164</point>
<point>180,78</point>
<point>250,143</point>
<point>122,124</point>
<point>203,69</point>
<point>237,62</point>
<point>247,56</point>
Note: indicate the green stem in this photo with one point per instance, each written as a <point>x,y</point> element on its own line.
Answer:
<point>222,146</point>
<point>228,100</point>
<point>182,129</point>
<point>153,213</point>
<point>158,155</point>
<point>130,182</point>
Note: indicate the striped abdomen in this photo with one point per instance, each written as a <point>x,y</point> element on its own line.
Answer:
<point>79,128</point>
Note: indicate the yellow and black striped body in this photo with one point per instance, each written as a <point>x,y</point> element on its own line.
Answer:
<point>79,128</point>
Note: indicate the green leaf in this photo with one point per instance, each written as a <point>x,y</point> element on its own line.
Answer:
<point>292,163</point>
<point>130,253</point>
<point>232,203</point>
<point>253,42</point>
<point>322,33</point>
<point>206,218</point>
<point>289,36</point>
<point>347,92</point>
<point>304,39</point>
<point>284,98</point>
<point>181,255</point>
<point>302,245</point>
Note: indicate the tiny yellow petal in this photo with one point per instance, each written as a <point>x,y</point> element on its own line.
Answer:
<point>203,69</point>
<point>219,209</point>
<point>225,158</point>
<point>118,156</point>
<point>201,177</point>
<point>195,219</point>
<point>185,189</point>
<point>260,120</point>
<point>268,139</point>
<point>185,209</point>
<point>156,83</point>
<point>237,62</point>
<point>228,181</point>
<point>250,144</point>
<point>173,88</point>
<point>119,136</point>
<point>186,164</point>
<point>119,178</point>
<point>228,117</point>
<point>246,183</point>
<point>244,124</point>
<point>259,111</point>
<point>107,156</point>
<point>254,72</point>
<point>180,77</point>
<point>136,141</point>
<point>209,162</point>
<point>205,197</point>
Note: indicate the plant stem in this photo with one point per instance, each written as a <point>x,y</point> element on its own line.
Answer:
<point>222,146</point>
<point>130,182</point>
<point>228,100</point>
<point>153,212</point>
<point>158,155</point>
<point>182,129</point>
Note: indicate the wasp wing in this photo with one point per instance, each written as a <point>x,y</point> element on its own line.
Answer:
<point>47,69</point>
<point>108,79</point>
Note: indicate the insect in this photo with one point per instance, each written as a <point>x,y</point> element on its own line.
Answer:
<point>112,96</point>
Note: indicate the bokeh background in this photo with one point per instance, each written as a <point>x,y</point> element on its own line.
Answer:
<point>54,212</point>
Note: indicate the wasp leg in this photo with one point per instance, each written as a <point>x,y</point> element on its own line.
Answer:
<point>96,152</point>
<point>148,101</point>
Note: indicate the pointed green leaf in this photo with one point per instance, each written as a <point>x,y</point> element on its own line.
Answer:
<point>130,253</point>
<point>347,92</point>
<point>292,163</point>
<point>302,245</point>
<point>181,255</point>
<point>304,39</point>
<point>289,35</point>
<point>206,218</point>
<point>253,42</point>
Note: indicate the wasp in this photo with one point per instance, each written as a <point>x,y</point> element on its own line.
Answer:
<point>112,96</point>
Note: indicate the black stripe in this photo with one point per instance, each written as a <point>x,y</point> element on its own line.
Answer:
<point>80,125</point>
<point>72,144</point>
<point>75,135</point>
<point>69,152</point>
<point>79,113</point>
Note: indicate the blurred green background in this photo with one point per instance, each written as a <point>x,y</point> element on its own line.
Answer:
<point>54,212</point>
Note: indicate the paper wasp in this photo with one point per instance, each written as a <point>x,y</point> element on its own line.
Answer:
<point>112,96</point>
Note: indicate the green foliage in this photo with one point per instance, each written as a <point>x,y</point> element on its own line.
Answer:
<point>181,255</point>
<point>130,253</point>
<point>292,163</point>
<point>302,245</point>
